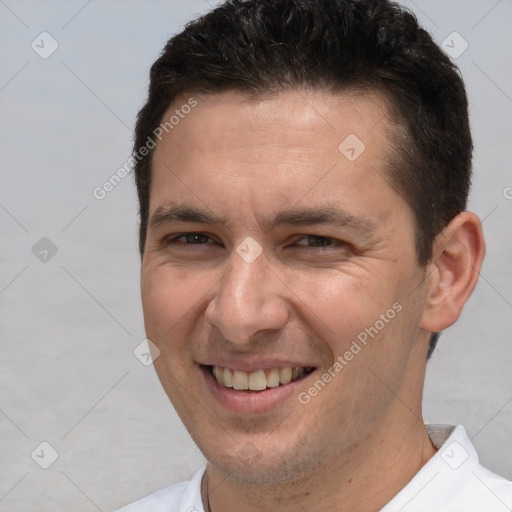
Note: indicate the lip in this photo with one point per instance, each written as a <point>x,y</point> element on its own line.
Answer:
<point>248,365</point>
<point>251,401</point>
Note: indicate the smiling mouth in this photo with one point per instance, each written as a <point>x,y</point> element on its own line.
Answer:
<point>258,380</point>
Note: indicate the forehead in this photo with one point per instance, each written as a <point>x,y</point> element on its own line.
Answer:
<point>296,145</point>
<point>291,114</point>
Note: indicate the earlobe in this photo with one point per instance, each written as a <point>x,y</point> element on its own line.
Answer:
<point>452,275</point>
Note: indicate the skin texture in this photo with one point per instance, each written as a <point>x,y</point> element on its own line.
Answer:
<point>303,300</point>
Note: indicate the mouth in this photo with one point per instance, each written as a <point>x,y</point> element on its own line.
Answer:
<point>259,380</point>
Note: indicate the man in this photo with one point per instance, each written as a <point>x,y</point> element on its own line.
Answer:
<point>303,168</point>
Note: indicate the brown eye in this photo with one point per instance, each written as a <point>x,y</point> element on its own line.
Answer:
<point>318,241</point>
<point>189,239</point>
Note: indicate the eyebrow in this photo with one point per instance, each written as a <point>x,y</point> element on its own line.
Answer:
<point>326,215</point>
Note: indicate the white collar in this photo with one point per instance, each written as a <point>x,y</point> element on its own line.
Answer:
<point>452,480</point>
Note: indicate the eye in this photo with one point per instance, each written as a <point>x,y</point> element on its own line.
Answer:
<point>319,241</point>
<point>185,239</point>
<point>305,242</point>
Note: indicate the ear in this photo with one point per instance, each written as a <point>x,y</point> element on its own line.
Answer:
<point>452,274</point>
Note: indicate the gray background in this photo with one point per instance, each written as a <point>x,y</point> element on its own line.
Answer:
<point>68,375</point>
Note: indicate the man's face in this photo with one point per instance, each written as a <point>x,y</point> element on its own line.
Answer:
<point>281,284</point>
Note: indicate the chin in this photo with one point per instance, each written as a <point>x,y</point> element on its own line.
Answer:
<point>252,466</point>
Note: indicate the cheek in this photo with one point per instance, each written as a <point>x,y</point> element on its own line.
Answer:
<point>169,295</point>
<point>338,306</point>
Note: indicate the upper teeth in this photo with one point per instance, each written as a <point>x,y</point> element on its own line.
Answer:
<point>258,380</point>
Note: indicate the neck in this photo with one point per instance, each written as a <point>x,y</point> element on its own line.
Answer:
<point>364,480</point>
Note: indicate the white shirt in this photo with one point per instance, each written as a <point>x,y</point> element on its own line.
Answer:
<point>451,481</point>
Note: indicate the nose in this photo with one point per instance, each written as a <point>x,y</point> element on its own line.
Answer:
<point>248,300</point>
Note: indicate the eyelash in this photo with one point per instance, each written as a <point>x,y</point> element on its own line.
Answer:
<point>334,242</point>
